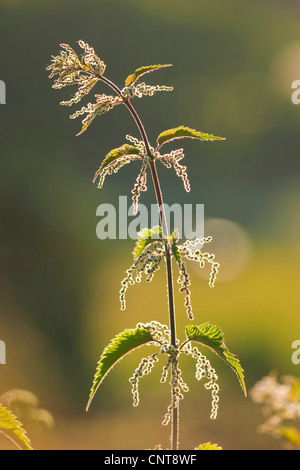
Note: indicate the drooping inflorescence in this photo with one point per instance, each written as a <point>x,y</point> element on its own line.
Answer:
<point>142,89</point>
<point>125,154</point>
<point>205,370</point>
<point>161,334</point>
<point>103,104</point>
<point>148,262</point>
<point>114,161</point>
<point>144,368</point>
<point>172,159</point>
<point>190,251</point>
<point>71,70</point>
<point>141,181</point>
<point>178,387</point>
<point>85,72</point>
<point>150,250</point>
<point>153,245</point>
<point>184,282</point>
<point>91,60</point>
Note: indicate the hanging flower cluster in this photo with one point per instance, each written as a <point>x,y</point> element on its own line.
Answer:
<point>125,154</point>
<point>172,159</point>
<point>142,89</point>
<point>150,250</point>
<point>69,69</point>
<point>161,334</point>
<point>73,71</point>
<point>85,72</point>
<point>148,262</point>
<point>205,370</point>
<point>190,251</point>
<point>153,245</point>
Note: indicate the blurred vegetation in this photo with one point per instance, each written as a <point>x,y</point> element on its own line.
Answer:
<point>233,65</point>
<point>279,399</point>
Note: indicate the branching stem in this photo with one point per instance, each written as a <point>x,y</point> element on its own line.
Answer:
<point>162,215</point>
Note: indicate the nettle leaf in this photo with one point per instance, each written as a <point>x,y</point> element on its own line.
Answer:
<point>131,79</point>
<point>125,150</point>
<point>176,252</point>
<point>213,337</point>
<point>146,236</point>
<point>11,427</point>
<point>173,240</point>
<point>119,346</point>
<point>182,132</point>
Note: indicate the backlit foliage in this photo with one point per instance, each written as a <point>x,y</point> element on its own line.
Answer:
<point>154,245</point>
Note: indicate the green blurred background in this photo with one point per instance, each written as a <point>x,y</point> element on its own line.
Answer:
<point>233,66</point>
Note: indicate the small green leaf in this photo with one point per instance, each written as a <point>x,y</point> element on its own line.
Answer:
<point>146,236</point>
<point>86,122</point>
<point>212,337</point>
<point>173,240</point>
<point>131,79</point>
<point>123,151</point>
<point>11,427</point>
<point>182,132</point>
<point>119,346</point>
<point>176,252</point>
<point>209,446</point>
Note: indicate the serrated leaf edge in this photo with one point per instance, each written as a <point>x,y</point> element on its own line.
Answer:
<point>97,382</point>
<point>124,150</point>
<point>187,132</point>
<point>17,434</point>
<point>131,79</point>
<point>224,354</point>
<point>145,238</point>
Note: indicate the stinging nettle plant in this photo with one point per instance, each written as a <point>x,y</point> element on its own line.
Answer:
<point>155,245</point>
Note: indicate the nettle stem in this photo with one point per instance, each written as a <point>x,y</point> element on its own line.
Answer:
<point>163,220</point>
<point>85,73</point>
<point>172,321</point>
